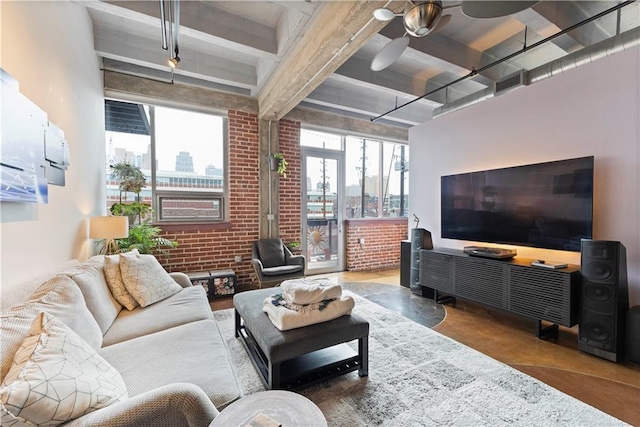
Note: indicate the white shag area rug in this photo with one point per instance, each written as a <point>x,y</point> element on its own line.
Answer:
<point>418,377</point>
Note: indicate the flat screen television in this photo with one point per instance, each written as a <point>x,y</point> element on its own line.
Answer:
<point>544,205</point>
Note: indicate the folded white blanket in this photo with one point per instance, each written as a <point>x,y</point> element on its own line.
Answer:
<point>285,319</point>
<point>309,291</point>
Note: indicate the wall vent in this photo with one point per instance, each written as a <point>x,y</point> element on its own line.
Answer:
<point>511,82</point>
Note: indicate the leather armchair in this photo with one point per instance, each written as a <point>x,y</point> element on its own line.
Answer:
<point>274,262</point>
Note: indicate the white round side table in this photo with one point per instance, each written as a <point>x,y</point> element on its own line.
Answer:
<point>284,407</point>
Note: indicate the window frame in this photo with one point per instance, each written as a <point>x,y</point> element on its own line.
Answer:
<point>187,195</point>
<point>158,195</point>
<point>345,136</point>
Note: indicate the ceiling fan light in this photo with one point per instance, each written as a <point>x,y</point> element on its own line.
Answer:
<point>383,14</point>
<point>422,18</point>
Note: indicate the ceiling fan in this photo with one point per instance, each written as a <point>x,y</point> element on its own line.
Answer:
<point>422,18</point>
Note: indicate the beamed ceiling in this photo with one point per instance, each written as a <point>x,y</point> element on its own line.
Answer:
<point>317,54</point>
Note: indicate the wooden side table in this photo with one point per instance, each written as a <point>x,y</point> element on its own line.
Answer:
<point>284,407</point>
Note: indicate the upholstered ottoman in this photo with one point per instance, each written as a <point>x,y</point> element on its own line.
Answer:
<point>303,356</point>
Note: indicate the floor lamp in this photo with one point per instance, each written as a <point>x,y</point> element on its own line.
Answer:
<point>109,228</point>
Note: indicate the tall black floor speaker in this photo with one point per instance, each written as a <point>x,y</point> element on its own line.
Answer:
<point>604,298</point>
<point>420,239</point>
<point>632,332</point>
<point>405,263</point>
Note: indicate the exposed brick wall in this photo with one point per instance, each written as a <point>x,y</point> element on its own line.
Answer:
<point>289,187</point>
<point>381,248</point>
<point>214,248</point>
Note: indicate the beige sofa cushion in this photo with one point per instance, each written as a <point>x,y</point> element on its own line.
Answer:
<point>114,280</point>
<point>58,296</point>
<point>145,279</point>
<point>193,353</point>
<point>89,276</point>
<point>56,377</point>
<point>15,293</point>
<point>188,305</point>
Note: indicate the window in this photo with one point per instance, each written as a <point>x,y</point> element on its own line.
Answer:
<point>376,178</point>
<point>317,139</point>
<point>376,173</point>
<point>186,182</point>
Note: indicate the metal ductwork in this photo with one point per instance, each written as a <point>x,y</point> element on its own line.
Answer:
<point>465,101</point>
<point>587,55</point>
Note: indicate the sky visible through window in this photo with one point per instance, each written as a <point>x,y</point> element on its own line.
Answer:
<point>201,135</point>
<point>353,167</point>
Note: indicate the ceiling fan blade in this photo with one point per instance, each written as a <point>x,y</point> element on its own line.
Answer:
<point>493,8</point>
<point>442,23</point>
<point>389,54</point>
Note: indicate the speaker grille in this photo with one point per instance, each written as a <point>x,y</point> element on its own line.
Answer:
<point>604,298</point>
<point>414,276</point>
<point>633,334</point>
<point>436,271</point>
<point>599,297</point>
<point>541,294</point>
<point>598,270</point>
<point>420,239</point>
<point>598,330</point>
<point>482,281</point>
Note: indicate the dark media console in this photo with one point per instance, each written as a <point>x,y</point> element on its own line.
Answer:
<point>513,285</point>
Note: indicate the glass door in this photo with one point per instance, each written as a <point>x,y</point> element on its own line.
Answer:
<point>322,207</point>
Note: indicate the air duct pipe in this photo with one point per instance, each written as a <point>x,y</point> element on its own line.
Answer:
<point>465,101</point>
<point>587,55</point>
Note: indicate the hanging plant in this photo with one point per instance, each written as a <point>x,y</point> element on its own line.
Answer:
<point>278,163</point>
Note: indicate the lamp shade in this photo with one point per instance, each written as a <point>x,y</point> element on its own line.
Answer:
<point>108,227</point>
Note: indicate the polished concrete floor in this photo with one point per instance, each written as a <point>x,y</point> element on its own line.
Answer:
<point>614,388</point>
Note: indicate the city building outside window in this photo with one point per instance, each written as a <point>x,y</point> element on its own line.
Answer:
<point>186,183</point>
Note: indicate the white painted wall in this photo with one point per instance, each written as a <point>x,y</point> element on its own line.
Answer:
<point>592,110</point>
<point>48,47</point>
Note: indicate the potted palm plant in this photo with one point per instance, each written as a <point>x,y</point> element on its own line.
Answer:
<point>146,239</point>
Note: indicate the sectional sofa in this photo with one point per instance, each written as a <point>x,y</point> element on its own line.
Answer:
<point>161,363</point>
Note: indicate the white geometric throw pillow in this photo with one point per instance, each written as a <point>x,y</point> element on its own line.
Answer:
<point>145,279</point>
<point>114,280</point>
<point>56,377</point>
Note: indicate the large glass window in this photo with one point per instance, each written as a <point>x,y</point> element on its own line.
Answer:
<point>395,168</point>
<point>317,139</point>
<point>377,173</point>
<point>189,165</point>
